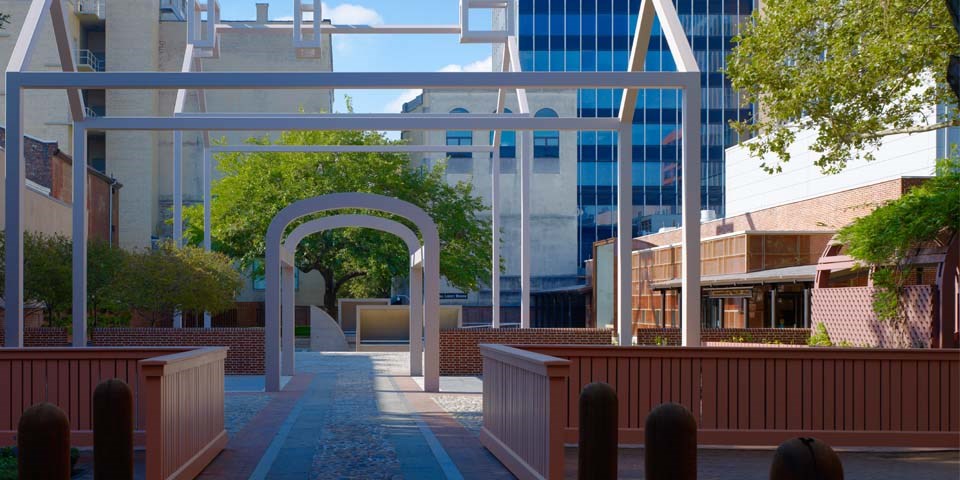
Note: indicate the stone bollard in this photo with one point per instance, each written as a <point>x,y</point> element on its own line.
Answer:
<point>43,443</point>
<point>670,443</point>
<point>804,458</point>
<point>113,430</point>
<point>598,433</point>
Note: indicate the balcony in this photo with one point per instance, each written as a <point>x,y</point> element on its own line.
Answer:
<point>173,10</point>
<point>95,9</point>
<point>88,61</point>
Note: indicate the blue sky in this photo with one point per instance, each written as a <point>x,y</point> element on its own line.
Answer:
<point>385,53</point>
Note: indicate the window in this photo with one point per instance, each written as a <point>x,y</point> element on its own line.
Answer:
<point>460,162</point>
<point>546,143</point>
<point>459,137</point>
<point>508,141</point>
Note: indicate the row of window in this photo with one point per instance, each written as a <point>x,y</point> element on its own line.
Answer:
<point>546,143</point>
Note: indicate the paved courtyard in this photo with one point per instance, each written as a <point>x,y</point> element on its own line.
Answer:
<point>356,415</point>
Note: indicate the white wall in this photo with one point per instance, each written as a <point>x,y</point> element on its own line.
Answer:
<point>749,188</point>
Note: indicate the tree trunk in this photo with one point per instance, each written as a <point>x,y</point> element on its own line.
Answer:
<point>329,293</point>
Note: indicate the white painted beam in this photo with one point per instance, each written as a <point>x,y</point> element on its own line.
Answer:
<point>354,80</point>
<point>352,148</point>
<point>675,36</point>
<point>396,122</point>
<point>27,40</point>
<point>638,57</point>
<point>65,51</point>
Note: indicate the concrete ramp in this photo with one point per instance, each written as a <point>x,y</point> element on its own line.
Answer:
<point>325,334</point>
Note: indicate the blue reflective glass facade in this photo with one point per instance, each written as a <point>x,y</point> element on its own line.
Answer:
<point>596,35</point>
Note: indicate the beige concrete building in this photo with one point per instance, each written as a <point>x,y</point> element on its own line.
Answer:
<point>553,217</point>
<point>151,35</point>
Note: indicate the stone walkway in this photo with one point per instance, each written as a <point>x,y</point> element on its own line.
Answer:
<point>356,415</point>
<point>346,416</point>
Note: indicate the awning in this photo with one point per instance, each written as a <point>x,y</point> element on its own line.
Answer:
<point>803,273</point>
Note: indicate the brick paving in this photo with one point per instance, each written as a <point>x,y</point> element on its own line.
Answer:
<point>349,415</point>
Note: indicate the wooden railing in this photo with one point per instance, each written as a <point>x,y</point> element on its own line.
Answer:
<point>67,378</point>
<point>524,411</point>
<point>184,412</point>
<point>739,396</point>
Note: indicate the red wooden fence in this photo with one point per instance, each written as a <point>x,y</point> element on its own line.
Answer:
<point>528,436</point>
<point>67,377</point>
<point>750,396</point>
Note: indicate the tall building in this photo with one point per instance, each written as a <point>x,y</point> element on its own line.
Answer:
<point>596,36</point>
<point>574,191</point>
<point>151,35</point>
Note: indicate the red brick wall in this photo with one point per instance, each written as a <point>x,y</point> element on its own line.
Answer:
<point>245,356</point>
<point>43,337</point>
<point>459,354</point>
<point>847,314</point>
<point>825,213</point>
<point>787,336</point>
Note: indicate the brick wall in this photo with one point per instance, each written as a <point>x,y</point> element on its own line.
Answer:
<point>825,213</point>
<point>459,354</point>
<point>43,337</point>
<point>847,314</point>
<point>727,336</point>
<point>245,356</point>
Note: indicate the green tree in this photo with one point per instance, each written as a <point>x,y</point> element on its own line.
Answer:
<point>359,262</point>
<point>104,264</point>
<point>47,279</point>
<point>158,282</point>
<point>852,71</point>
<point>885,239</point>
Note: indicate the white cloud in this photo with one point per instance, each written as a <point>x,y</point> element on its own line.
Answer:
<point>396,105</point>
<point>343,14</point>
<point>349,14</point>
<point>485,65</point>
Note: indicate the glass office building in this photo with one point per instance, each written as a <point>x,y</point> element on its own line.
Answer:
<point>596,35</point>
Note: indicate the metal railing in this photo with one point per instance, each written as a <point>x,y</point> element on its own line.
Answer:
<point>176,8</point>
<point>87,60</point>
<point>92,7</point>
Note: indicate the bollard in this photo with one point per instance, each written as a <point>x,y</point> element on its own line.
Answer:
<point>805,458</point>
<point>598,433</point>
<point>670,443</point>
<point>43,443</point>
<point>113,430</point>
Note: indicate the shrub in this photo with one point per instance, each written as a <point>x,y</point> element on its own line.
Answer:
<point>819,337</point>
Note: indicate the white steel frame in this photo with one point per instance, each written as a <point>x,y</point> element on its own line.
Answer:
<point>687,79</point>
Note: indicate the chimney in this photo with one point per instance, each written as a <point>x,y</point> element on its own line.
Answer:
<point>262,12</point>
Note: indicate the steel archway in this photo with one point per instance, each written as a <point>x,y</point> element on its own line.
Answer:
<point>366,201</point>
<point>289,249</point>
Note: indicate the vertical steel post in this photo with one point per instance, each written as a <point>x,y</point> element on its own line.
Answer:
<point>625,234</point>
<point>178,205</point>
<point>690,281</point>
<point>79,235</point>
<point>288,309</point>
<point>207,234</point>
<point>15,183</point>
<point>526,161</point>
<point>495,236</point>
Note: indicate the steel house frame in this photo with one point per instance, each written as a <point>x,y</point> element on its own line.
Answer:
<point>203,45</point>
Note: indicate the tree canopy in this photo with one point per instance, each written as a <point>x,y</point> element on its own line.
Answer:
<point>852,71</point>
<point>357,262</point>
<point>885,238</point>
